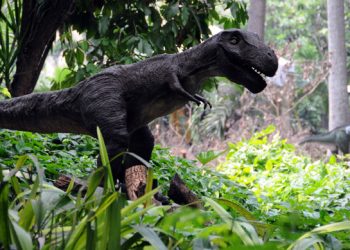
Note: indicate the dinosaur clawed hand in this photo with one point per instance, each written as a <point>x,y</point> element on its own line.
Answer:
<point>201,99</point>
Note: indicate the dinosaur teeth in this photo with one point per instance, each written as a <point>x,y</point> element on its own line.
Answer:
<point>258,72</point>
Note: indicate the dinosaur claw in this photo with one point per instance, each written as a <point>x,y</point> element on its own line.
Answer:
<point>203,100</point>
<point>209,104</point>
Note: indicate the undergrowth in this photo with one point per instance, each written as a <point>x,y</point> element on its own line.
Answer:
<point>263,196</point>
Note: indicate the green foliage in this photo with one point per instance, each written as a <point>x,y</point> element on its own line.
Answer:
<point>122,32</point>
<point>206,157</point>
<point>212,123</point>
<point>42,216</point>
<point>290,197</point>
<point>314,109</point>
<point>299,22</point>
<point>57,153</point>
<point>285,183</point>
<point>10,14</point>
<point>110,32</point>
<point>203,181</point>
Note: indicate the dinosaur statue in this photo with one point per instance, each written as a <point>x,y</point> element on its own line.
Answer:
<point>123,99</point>
<point>340,137</point>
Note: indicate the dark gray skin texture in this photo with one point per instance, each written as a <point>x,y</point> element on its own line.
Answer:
<point>339,137</point>
<point>123,99</point>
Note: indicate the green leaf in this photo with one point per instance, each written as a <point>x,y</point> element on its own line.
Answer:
<point>137,215</point>
<point>5,237</point>
<point>26,216</point>
<point>172,11</point>
<point>91,236</point>
<point>330,228</point>
<point>269,165</point>
<point>94,181</point>
<point>307,243</point>
<point>19,164</point>
<point>245,231</point>
<point>79,56</point>
<point>69,56</point>
<point>332,159</point>
<point>5,92</point>
<point>151,237</point>
<point>22,238</point>
<point>206,157</point>
<point>109,182</point>
<point>77,233</point>
<point>114,220</point>
<point>260,227</point>
<point>84,45</point>
<point>149,184</point>
<point>185,13</point>
<point>233,10</point>
<point>106,203</point>
<point>103,25</point>
<point>126,210</point>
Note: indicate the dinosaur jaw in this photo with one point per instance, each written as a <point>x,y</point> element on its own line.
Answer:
<point>250,72</point>
<point>250,77</point>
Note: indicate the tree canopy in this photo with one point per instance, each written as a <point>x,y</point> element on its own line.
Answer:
<point>113,32</point>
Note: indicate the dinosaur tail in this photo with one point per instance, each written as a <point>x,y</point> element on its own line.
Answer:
<point>42,112</point>
<point>322,138</point>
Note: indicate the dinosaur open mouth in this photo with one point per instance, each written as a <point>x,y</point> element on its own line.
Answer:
<point>262,75</point>
<point>244,73</point>
<point>252,78</point>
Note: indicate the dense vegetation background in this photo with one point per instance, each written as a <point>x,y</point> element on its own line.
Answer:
<point>259,188</point>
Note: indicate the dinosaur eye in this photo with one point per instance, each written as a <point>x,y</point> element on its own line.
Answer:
<point>234,40</point>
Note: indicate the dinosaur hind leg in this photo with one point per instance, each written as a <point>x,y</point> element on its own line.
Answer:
<point>141,143</point>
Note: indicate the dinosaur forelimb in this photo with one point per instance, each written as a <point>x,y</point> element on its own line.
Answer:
<point>205,101</point>
<point>176,86</point>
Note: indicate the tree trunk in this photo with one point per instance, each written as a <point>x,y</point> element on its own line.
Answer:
<point>256,13</point>
<point>338,98</point>
<point>40,21</point>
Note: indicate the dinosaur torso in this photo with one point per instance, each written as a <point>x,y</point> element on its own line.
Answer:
<point>143,88</point>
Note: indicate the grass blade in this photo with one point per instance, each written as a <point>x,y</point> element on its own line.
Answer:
<point>91,236</point>
<point>93,182</point>
<point>127,210</point>
<point>109,182</point>
<point>149,184</point>
<point>127,220</point>
<point>4,216</point>
<point>114,219</point>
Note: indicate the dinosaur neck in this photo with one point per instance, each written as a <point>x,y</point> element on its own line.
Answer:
<point>325,138</point>
<point>199,62</point>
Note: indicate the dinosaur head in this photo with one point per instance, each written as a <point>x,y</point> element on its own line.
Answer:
<point>243,58</point>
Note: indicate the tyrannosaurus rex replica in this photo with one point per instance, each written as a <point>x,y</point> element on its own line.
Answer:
<point>340,137</point>
<point>123,99</point>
